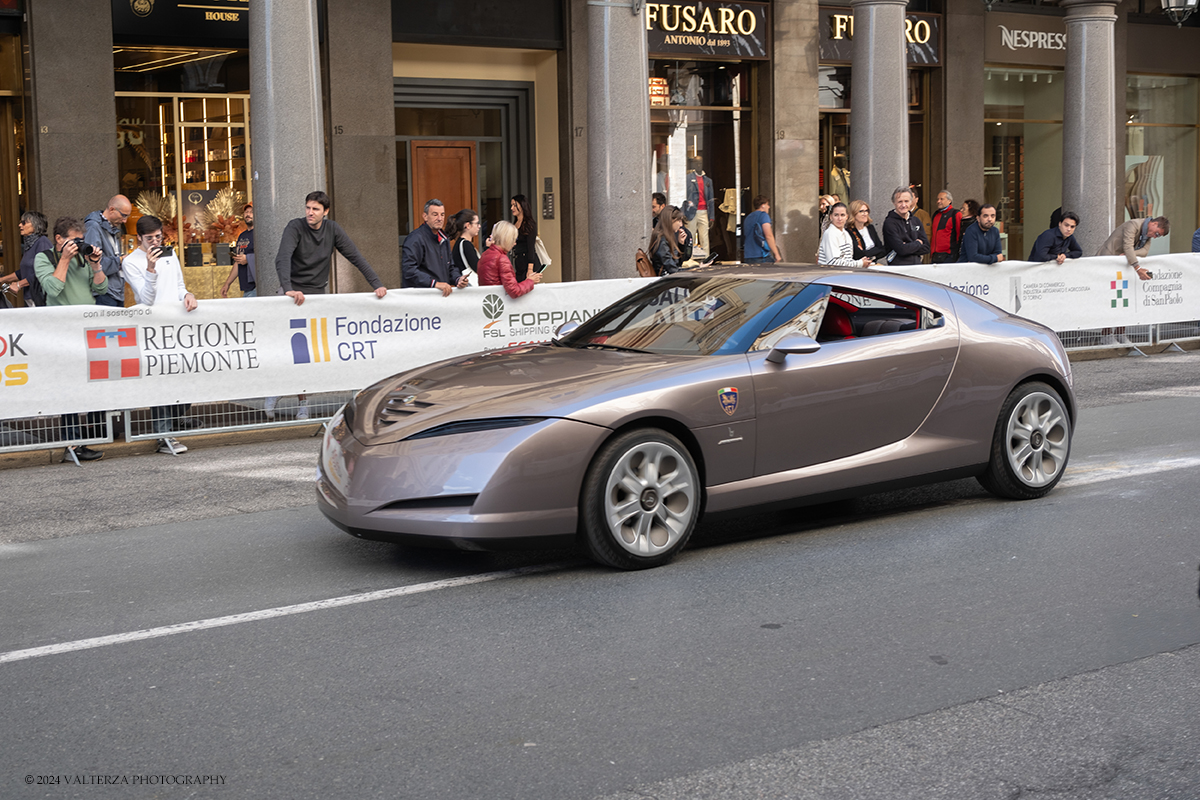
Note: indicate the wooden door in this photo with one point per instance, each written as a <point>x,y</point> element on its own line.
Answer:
<point>447,171</point>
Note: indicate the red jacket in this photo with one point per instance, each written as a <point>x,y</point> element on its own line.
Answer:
<point>945,231</point>
<point>495,270</point>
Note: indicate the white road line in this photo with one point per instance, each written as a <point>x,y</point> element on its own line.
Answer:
<point>270,613</point>
<point>1082,476</point>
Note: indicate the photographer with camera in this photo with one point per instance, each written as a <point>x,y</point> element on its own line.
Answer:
<point>71,275</point>
<point>155,275</point>
<point>103,229</point>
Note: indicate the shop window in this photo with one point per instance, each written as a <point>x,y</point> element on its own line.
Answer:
<point>701,133</point>
<point>1162,134</point>
<point>186,160</point>
<point>834,177</point>
<point>1023,109</point>
<point>14,185</point>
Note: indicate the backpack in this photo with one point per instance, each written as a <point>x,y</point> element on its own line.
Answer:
<point>645,268</point>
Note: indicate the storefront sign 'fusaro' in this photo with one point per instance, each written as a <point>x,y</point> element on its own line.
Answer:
<point>922,37</point>
<point>708,28</point>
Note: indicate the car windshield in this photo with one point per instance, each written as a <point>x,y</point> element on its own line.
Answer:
<point>695,315</point>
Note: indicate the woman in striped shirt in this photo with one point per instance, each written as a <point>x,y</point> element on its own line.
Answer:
<point>837,250</point>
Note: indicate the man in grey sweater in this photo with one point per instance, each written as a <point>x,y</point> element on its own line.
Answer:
<point>307,248</point>
<point>303,265</point>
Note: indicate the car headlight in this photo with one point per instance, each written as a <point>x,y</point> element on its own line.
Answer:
<point>474,426</point>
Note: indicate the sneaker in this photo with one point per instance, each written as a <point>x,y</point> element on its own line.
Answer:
<point>83,453</point>
<point>269,407</point>
<point>166,445</point>
<point>302,411</point>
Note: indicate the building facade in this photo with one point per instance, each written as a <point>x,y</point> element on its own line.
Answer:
<point>587,108</point>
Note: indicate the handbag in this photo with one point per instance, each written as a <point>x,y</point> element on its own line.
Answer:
<point>543,256</point>
<point>645,268</point>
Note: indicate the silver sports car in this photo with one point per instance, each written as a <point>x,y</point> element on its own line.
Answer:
<point>708,390</point>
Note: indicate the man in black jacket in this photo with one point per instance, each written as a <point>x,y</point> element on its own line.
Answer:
<point>307,247</point>
<point>425,260</point>
<point>1058,243</point>
<point>903,233</point>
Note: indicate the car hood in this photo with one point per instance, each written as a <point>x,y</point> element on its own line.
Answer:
<point>526,381</point>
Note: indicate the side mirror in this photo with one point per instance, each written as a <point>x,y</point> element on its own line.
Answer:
<point>564,329</point>
<point>793,343</point>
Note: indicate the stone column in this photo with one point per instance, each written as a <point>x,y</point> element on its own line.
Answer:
<point>72,126</point>
<point>618,135</point>
<point>790,124</point>
<point>1089,108</point>
<point>879,103</point>
<point>962,104</point>
<point>362,148</point>
<point>287,123</point>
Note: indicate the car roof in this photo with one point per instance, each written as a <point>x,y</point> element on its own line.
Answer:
<point>805,273</point>
<point>902,287</point>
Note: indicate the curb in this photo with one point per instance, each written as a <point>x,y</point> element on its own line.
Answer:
<point>123,449</point>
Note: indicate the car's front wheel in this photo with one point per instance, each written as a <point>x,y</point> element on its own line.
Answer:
<point>1031,444</point>
<point>640,501</point>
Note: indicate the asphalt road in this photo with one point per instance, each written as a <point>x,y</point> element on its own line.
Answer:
<point>935,643</point>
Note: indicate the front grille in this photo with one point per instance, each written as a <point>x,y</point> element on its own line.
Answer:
<point>400,406</point>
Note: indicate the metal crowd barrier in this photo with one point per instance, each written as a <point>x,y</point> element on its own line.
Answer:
<point>49,432</point>
<point>1132,337</point>
<point>187,419</point>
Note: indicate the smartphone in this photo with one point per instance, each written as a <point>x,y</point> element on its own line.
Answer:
<point>165,252</point>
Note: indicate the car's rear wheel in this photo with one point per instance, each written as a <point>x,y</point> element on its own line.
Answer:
<point>1031,444</point>
<point>640,501</point>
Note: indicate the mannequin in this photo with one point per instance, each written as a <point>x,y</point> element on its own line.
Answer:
<point>699,208</point>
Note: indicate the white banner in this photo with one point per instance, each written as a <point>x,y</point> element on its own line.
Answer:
<point>1094,292</point>
<point>81,358</point>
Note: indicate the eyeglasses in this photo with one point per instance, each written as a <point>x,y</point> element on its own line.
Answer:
<point>863,211</point>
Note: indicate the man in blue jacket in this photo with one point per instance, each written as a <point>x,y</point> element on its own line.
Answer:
<point>425,260</point>
<point>1058,243</point>
<point>981,241</point>
<point>103,230</point>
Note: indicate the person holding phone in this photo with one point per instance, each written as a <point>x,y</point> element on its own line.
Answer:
<point>155,275</point>
<point>524,252</point>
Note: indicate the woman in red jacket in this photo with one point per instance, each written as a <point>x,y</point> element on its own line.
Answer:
<point>495,267</point>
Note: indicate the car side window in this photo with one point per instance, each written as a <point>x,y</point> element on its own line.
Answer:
<point>854,315</point>
<point>802,315</point>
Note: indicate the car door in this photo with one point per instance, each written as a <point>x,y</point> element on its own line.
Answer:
<point>853,395</point>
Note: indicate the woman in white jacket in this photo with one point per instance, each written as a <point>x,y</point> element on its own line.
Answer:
<point>837,249</point>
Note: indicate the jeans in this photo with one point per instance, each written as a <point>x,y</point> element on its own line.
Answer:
<point>762,260</point>
<point>251,292</point>
<point>108,300</point>
<point>163,416</point>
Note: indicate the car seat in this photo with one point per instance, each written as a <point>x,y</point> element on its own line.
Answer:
<point>835,324</point>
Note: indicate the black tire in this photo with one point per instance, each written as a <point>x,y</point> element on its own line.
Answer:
<point>1031,444</point>
<point>640,501</point>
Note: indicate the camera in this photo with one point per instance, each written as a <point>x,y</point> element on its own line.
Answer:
<point>85,249</point>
